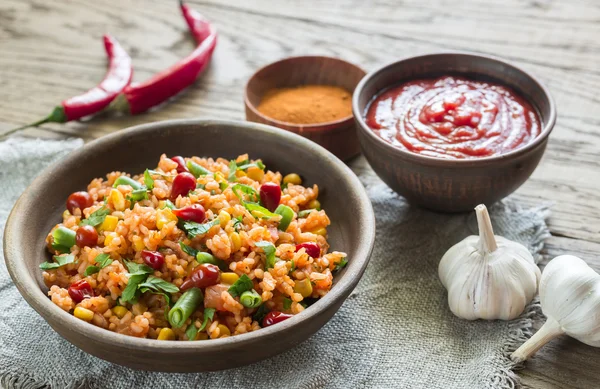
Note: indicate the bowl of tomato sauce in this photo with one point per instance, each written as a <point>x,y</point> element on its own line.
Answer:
<point>449,131</point>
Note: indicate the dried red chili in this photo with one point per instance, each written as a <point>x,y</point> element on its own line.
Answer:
<point>140,97</point>
<point>120,72</point>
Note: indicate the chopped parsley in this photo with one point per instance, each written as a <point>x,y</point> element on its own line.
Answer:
<point>138,273</point>
<point>96,218</point>
<point>148,180</point>
<point>287,303</point>
<point>243,284</point>
<point>237,222</point>
<point>240,189</point>
<point>232,171</point>
<point>260,313</point>
<point>209,314</point>
<point>343,262</point>
<point>61,260</point>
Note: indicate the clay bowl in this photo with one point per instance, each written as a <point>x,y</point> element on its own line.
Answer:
<point>452,185</point>
<point>339,136</point>
<point>133,150</point>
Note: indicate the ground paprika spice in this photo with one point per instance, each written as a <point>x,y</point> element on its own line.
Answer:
<point>307,104</point>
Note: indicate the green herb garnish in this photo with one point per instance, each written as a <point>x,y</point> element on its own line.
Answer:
<point>96,218</point>
<point>191,332</point>
<point>61,260</point>
<point>209,314</point>
<point>287,303</point>
<point>138,273</point>
<point>343,262</point>
<point>194,229</point>
<point>269,250</point>
<point>260,313</point>
<point>243,284</point>
<point>237,222</point>
<point>102,261</point>
<point>148,180</point>
<point>188,250</point>
<point>240,189</point>
<point>159,286</point>
<point>232,170</point>
<point>305,213</point>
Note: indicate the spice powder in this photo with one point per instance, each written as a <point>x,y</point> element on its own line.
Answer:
<point>307,104</point>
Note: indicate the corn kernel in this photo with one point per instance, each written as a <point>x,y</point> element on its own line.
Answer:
<point>202,336</point>
<point>117,199</point>
<point>236,241</point>
<point>224,217</point>
<point>119,311</point>
<point>66,214</point>
<point>223,330</point>
<point>166,334</point>
<point>138,244</point>
<point>256,173</point>
<point>109,238</point>
<point>293,179</point>
<point>229,278</point>
<point>83,314</point>
<point>304,287</point>
<point>219,177</point>
<point>320,231</point>
<point>164,216</point>
<point>109,223</point>
<point>240,173</point>
<point>314,204</point>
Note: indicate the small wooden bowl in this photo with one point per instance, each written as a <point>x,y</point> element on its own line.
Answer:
<point>338,136</point>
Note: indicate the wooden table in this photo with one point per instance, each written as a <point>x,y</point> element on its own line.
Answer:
<point>52,50</point>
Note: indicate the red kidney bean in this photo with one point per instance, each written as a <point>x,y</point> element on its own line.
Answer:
<point>183,183</point>
<point>181,166</point>
<point>79,200</point>
<point>86,236</point>
<point>202,276</point>
<point>311,249</point>
<point>275,317</point>
<point>270,195</point>
<point>154,259</point>
<point>80,291</point>
<point>193,212</point>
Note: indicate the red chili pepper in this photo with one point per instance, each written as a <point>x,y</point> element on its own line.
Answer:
<point>140,97</point>
<point>120,72</point>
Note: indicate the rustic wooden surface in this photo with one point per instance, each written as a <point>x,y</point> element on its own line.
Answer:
<point>52,50</point>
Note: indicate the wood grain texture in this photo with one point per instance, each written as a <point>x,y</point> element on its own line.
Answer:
<point>52,50</point>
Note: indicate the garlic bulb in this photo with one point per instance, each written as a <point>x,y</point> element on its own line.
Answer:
<point>488,277</point>
<point>570,299</point>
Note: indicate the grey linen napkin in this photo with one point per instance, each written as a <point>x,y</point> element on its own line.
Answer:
<point>395,329</point>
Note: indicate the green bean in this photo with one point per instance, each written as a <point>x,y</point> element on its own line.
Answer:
<point>250,299</point>
<point>185,306</point>
<point>197,170</point>
<point>124,180</point>
<point>64,239</point>
<point>287,214</point>
<point>203,257</point>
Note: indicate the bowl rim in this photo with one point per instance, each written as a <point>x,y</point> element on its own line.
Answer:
<point>32,293</point>
<point>435,161</point>
<point>325,126</point>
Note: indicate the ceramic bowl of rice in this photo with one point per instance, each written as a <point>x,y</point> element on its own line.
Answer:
<point>182,241</point>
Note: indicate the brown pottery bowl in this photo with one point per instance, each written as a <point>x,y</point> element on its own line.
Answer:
<point>133,150</point>
<point>443,184</point>
<point>339,136</point>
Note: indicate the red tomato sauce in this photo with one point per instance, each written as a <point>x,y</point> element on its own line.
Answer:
<point>453,117</point>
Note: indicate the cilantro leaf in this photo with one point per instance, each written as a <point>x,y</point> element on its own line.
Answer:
<point>194,229</point>
<point>343,262</point>
<point>148,180</point>
<point>102,261</point>
<point>138,268</point>
<point>130,292</point>
<point>237,222</point>
<point>191,332</point>
<point>287,303</point>
<point>232,170</point>
<point>260,313</point>
<point>269,250</point>
<point>239,189</point>
<point>158,284</point>
<point>209,314</point>
<point>243,284</point>
<point>188,250</point>
<point>61,260</point>
<point>96,218</point>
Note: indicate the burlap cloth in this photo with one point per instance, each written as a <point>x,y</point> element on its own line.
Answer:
<point>394,331</point>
